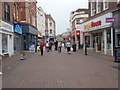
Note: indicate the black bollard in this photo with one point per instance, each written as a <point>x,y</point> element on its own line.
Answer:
<point>85,48</point>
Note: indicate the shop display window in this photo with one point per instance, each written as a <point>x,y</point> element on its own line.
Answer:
<point>4,43</point>
<point>108,38</point>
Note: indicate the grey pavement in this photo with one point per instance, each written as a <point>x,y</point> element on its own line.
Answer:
<point>60,70</point>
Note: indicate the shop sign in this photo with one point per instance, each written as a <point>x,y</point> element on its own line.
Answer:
<point>110,20</point>
<point>46,31</point>
<point>92,24</point>
<point>32,47</point>
<point>18,28</point>
<point>39,34</point>
<point>77,33</point>
<point>6,26</point>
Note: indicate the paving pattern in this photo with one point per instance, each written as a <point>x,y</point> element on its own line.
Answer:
<point>60,70</point>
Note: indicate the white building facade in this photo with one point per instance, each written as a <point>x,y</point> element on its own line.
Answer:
<point>51,27</point>
<point>98,34</point>
<point>6,38</point>
<point>41,21</point>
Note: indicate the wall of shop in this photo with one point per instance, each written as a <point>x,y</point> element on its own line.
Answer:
<point>100,34</point>
<point>6,36</point>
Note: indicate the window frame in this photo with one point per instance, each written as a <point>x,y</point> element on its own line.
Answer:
<point>7,11</point>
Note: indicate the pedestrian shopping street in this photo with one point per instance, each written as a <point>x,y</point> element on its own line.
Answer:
<point>60,70</point>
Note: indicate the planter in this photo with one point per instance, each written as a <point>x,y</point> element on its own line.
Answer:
<point>22,55</point>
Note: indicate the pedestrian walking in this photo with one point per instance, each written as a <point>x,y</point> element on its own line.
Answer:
<point>59,46</point>
<point>47,46</point>
<point>50,45</point>
<point>68,45</point>
<point>74,46</point>
<point>56,45</point>
<point>41,47</point>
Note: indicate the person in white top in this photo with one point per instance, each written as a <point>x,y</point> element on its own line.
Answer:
<point>59,46</point>
<point>68,45</point>
<point>47,46</point>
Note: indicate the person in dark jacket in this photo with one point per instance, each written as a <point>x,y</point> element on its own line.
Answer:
<point>56,45</point>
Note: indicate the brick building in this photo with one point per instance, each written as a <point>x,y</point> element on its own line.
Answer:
<point>6,29</point>
<point>98,32</point>
<point>116,25</point>
<point>29,24</point>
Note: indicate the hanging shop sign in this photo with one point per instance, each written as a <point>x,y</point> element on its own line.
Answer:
<point>110,20</point>
<point>77,33</point>
<point>92,24</point>
<point>18,28</point>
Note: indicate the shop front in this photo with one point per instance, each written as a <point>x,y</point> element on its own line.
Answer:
<point>17,37</point>
<point>6,39</point>
<point>30,35</point>
<point>99,34</point>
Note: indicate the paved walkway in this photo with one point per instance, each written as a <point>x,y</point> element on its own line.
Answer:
<point>60,70</point>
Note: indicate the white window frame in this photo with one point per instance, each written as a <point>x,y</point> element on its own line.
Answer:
<point>98,1</point>
<point>104,4</point>
<point>91,4</point>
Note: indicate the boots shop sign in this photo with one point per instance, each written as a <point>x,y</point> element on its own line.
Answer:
<point>92,24</point>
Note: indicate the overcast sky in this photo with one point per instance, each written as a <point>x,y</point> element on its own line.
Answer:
<point>60,11</point>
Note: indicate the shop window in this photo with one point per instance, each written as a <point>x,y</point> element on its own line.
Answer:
<point>7,11</point>
<point>109,38</point>
<point>4,43</point>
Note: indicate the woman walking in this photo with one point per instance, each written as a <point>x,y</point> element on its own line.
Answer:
<point>41,47</point>
<point>68,45</point>
<point>47,46</point>
<point>59,46</point>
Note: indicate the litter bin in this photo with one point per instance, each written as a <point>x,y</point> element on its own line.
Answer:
<point>117,54</point>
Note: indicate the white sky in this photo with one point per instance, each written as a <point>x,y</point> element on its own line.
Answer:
<point>60,11</point>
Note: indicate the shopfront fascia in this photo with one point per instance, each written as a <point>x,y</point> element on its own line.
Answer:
<point>6,38</point>
<point>101,34</point>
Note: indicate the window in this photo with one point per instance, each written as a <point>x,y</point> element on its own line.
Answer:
<point>92,8</point>
<point>79,21</point>
<point>50,23</point>
<point>7,11</point>
<point>105,4</point>
<point>108,38</point>
<point>98,6</point>
<point>4,43</point>
<point>50,31</point>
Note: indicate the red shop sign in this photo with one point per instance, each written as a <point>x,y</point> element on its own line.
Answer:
<point>77,33</point>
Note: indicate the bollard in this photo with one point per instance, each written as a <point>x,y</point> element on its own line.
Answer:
<point>85,48</point>
<point>22,56</point>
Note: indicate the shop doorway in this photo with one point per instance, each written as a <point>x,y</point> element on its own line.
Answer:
<point>98,42</point>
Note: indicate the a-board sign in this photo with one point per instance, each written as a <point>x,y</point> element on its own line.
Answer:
<point>117,53</point>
